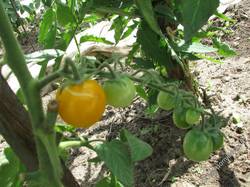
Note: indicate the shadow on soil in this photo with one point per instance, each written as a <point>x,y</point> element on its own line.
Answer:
<point>226,175</point>
<point>167,161</point>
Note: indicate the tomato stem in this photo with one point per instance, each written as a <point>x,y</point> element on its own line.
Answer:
<point>120,64</point>
<point>51,116</point>
<point>60,73</point>
<point>203,122</point>
<point>49,162</point>
<point>51,77</point>
<point>105,65</point>
<point>77,45</point>
<point>69,62</point>
<point>113,180</point>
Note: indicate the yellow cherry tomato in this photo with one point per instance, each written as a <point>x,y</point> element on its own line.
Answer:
<point>81,105</point>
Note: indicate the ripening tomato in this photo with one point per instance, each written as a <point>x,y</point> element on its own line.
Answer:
<point>193,116</point>
<point>197,145</point>
<point>81,105</point>
<point>120,92</point>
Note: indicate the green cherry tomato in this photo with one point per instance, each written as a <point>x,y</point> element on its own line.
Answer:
<point>192,116</point>
<point>197,145</point>
<point>166,100</point>
<point>120,92</point>
<point>217,138</point>
<point>179,118</point>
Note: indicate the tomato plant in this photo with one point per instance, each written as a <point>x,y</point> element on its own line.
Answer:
<point>197,145</point>
<point>83,104</point>
<point>158,55</point>
<point>120,92</point>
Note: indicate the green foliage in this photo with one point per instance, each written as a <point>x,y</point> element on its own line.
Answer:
<point>195,14</point>
<point>47,2</point>
<point>139,150</point>
<point>119,26</point>
<point>223,49</point>
<point>117,158</point>
<point>64,15</point>
<point>43,55</point>
<point>90,38</point>
<point>10,169</point>
<point>152,47</point>
<point>47,33</point>
<point>107,182</point>
<point>119,155</point>
<point>147,11</point>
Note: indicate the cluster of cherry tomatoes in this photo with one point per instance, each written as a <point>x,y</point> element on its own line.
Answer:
<point>83,104</point>
<point>198,143</point>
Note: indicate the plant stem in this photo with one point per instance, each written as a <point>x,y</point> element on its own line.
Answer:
<point>69,62</point>
<point>117,11</point>
<point>51,77</point>
<point>49,163</point>
<point>77,45</point>
<point>113,180</point>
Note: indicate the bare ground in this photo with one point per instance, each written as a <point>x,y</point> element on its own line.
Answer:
<point>228,88</point>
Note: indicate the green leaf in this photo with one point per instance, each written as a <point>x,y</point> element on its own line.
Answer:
<point>106,182</point>
<point>129,30</point>
<point>195,14</point>
<point>165,11</point>
<point>117,158</point>
<point>224,17</point>
<point>147,11</point>
<point>119,25</point>
<point>10,169</point>
<point>143,63</point>
<point>47,2</point>
<point>51,37</point>
<point>196,47</point>
<point>106,3</point>
<point>151,45</point>
<point>47,33</point>
<point>43,69</point>
<point>91,38</point>
<point>151,110</point>
<point>64,15</point>
<point>61,128</point>
<point>94,160</point>
<point>212,59</point>
<point>141,92</point>
<point>43,55</point>
<point>139,149</point>
<point>223,49</point>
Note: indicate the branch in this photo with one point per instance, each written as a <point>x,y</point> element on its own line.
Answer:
<point>14,54</point>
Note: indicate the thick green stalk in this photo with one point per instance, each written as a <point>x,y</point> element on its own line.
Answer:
<point>31,90</point>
